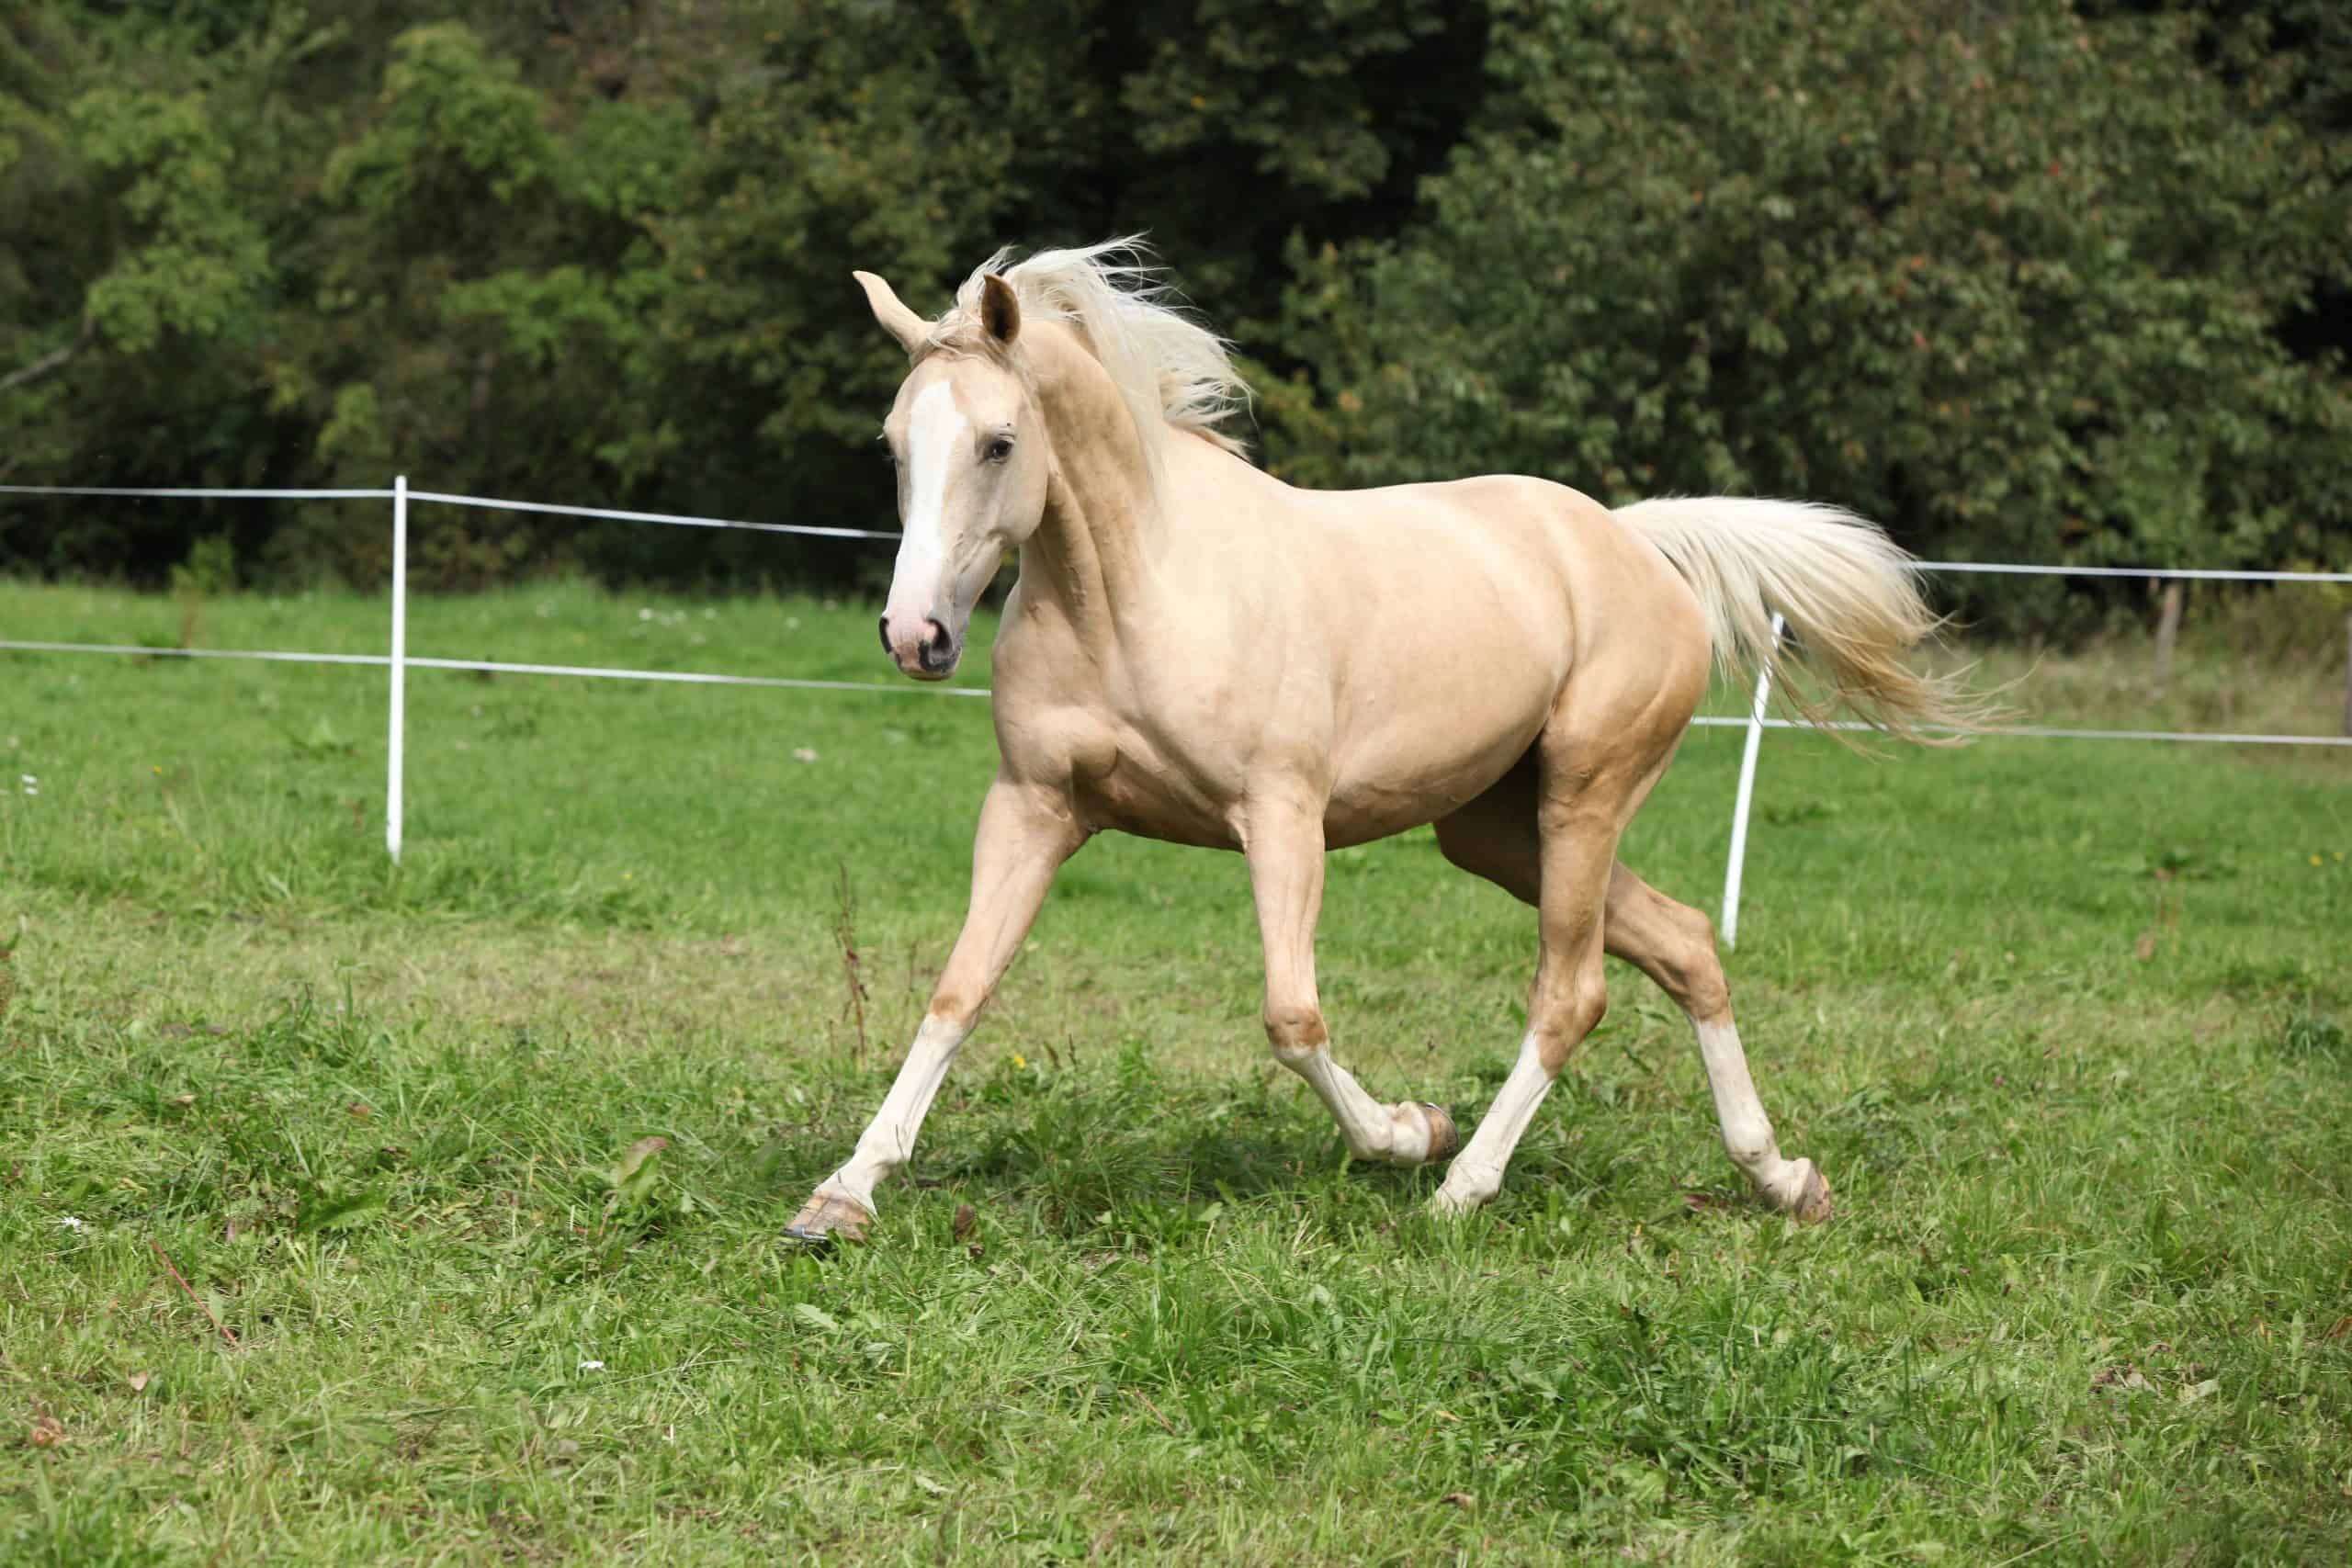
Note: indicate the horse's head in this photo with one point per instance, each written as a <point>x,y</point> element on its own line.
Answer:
<point>972,457</point>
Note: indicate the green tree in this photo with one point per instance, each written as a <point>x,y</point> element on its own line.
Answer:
<point>2011,283</point>
<point>2023,281</point>
<point>136,288</point>
<point>602,253</point>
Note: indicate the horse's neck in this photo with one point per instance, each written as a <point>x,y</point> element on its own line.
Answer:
<point>1089,557</point>
<point>1084,560</point>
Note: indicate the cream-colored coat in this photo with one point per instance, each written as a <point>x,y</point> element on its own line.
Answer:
<point>1198,652</point>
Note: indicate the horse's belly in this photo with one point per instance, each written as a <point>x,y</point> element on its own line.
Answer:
<point>1132,799</point>
<point>1432,737</point>
<point>1375,801</point>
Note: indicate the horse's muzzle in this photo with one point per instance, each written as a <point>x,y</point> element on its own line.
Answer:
<point>930,655</point>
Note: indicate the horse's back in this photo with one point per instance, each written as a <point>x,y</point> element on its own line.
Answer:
<point>1539,548</point>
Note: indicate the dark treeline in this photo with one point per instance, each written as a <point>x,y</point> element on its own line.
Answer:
<point>2026,281</point>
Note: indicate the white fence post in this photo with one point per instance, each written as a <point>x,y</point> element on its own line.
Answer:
<point>399,667</point>
<point>1747,791</point>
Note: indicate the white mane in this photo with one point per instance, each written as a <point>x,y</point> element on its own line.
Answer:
<point>1168,368</point>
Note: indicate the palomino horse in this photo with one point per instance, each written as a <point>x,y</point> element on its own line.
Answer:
<point>1198,652</point>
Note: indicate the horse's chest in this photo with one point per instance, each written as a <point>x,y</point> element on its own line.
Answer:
<point>1160,758</point>
<point>1137,783</point>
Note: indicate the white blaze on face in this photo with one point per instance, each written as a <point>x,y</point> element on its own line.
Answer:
<point>936,432</point>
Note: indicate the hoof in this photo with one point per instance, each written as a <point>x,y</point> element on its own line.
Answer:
<point>827,1218</point>
<point>1815,1203</point>
<point>1445,1142</point>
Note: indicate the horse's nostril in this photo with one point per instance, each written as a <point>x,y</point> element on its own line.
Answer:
<point>938,649</point>
<point>883,624</point>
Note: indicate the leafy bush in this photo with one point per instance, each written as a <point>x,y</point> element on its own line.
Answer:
<point>2010,283</point>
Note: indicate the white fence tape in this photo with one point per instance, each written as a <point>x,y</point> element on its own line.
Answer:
<point>442,497</point>
<point>2185,573</point>
<point>400,661</point>
<point>497,667</point>
<point>199,494</point>
<point>138,651</point>
<point>486,503</point>
<point>2024,731</point>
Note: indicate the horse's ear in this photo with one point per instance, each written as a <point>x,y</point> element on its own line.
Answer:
<point>909,329</point>
<point>1000,310</point>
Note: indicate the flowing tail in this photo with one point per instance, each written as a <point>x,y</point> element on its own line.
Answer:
<point>1850,596</point>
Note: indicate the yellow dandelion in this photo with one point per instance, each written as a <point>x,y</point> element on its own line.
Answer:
<point>1018,1060</point>
<point>2316,861</point>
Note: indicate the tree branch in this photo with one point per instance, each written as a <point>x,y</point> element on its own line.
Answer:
<point>52,362</point>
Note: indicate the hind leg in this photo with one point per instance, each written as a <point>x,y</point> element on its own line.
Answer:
<point>1578,832</point>
<point>1592,771</point>
<point>1496,836</point>
<point>1675,945</point>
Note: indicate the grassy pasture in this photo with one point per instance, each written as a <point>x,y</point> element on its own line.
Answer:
<point>2068,1024</point>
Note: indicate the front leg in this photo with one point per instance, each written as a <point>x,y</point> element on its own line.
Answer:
<point>1024,835</point>
<point>1284,844</point>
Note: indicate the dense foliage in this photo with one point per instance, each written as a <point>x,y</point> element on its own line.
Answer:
<point>2014,287</point>
<point>2022,279</point>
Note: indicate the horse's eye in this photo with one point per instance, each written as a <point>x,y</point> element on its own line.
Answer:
<point>999,450</point>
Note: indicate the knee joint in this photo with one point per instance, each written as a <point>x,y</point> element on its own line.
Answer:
<point>1295,1033</point>
<point>953,1006</point>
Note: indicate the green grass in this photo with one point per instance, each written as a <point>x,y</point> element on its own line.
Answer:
<point>2069,1025</point>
